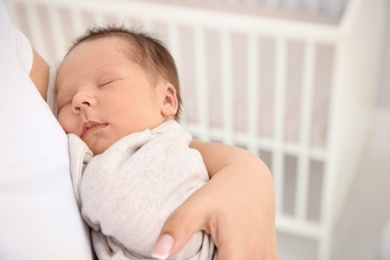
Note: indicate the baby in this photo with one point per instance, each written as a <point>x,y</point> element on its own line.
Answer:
<point>118,99</point>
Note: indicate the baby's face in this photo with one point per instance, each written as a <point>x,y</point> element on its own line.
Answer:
<point>103,96</point>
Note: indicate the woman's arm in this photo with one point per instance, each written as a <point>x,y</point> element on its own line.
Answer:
<point>236,206</point>
<point>39,74</point>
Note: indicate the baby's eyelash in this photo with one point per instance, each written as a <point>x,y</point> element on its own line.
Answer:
<point>104,83</point>
<point>109,81</point>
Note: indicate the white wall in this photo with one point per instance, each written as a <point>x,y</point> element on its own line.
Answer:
<point>384,88</point>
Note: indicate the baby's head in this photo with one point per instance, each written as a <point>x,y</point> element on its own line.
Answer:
<point>114,82</point>
<point>142,49</point>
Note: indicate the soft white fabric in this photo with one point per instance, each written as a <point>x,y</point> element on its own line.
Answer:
<point>127,192</point>
<point>39,217</point>
<point>51,93</point>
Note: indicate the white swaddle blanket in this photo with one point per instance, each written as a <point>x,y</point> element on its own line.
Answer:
<point>126,193</point>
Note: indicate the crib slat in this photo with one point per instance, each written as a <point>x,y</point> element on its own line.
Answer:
<point>251,2</point>
<point>293,5</point>
<point>77,21</point>
<point>313,6</point>
<point>174,43</point>
<point>278,128</point>
<point>252,93</point>
<point>99,18</point>
<point>272,3</point>
<point>35,27</point>
<point>335,7</point>
<point>57,31</point>
<point>227,93</point>
<point>305,126</point>
<point>174,48</point>
<point>201,83</point>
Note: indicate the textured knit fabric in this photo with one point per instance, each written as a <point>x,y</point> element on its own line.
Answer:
<point>127,193</point>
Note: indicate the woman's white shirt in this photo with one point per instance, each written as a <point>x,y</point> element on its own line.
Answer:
<point>39,217</point>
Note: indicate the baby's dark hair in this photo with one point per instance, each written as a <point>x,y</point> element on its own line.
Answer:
<point>146,51</point>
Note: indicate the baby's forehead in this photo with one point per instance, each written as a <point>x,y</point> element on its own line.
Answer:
<point>126,45</point>
<point>118,42</point>
<point>103,44</point>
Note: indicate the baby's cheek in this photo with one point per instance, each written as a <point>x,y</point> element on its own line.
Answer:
<point>68,124</point>
<point>61,120</point>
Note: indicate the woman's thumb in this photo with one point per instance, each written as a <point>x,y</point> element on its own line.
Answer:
<point>179,227</point>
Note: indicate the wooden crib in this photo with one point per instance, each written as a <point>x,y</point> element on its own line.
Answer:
<point>297,90</point>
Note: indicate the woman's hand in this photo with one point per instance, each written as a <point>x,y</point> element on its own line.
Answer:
<point>236,207</point>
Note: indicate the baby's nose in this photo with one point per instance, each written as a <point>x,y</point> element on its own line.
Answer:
<point>83,101</point>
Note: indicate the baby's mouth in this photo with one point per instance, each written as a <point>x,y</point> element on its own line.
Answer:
<point>91,127</point>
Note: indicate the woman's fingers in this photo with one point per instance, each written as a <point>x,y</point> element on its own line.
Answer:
<point>237,210</point>
<point>190,217</point>
<point>163,246</point>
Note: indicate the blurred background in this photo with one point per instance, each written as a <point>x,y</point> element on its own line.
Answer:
<point>304,84</point>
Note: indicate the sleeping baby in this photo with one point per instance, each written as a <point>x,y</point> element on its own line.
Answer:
<point>131,164</point>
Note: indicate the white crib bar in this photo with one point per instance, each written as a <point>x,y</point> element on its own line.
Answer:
<point>335,7</point>
<point>35,26</point>
<point>251,2</point>
<point>147,24</point>
<point>326,204</point>
<point>211,19</point>
<point>227,87</point>
<point>201,83</point>
<point>57,30</point>
<point>272,3</point>
<point>292,5</point>
<point>278,127</point>
<point>313,6</point>
<point>307,229</point>
<point>99,18</point>
<point>174,48</point>
<point>306,114</point>
<point>252,93</point>
<point>77,21</point>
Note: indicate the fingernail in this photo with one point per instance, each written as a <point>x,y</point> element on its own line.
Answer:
<point>163,247</point>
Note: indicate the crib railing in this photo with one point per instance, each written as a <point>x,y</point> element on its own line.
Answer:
<point>237,72</point>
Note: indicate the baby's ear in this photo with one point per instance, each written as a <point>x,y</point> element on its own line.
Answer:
<point>170,103</point>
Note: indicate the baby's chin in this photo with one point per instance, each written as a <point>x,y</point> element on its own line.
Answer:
<point>98,148</point>
<point>99,143</point>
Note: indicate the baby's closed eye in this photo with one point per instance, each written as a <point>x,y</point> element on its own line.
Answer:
<point>105,83</point>
<point>109,81</point>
